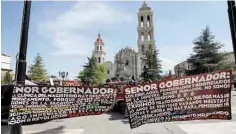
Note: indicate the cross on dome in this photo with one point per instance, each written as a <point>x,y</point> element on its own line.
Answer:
<point>99,33</point>
<point>144,4</point>
<point>99,39</point>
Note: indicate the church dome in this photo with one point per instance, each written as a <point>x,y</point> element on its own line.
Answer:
<point>99,39</point>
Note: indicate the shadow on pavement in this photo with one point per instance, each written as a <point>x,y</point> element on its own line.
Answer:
<point>5,129</point>
<point>118,116</point>
<point>233,117</point>
<point>115,116</point>
<point>36,122</point>
<point>58,130</point>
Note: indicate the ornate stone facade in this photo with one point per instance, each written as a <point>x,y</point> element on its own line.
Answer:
<point>110,69</point>
<point>127,62</point>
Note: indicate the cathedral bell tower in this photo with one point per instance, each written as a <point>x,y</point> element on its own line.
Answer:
<point>99,50</point>
<point>145,28</point>
<point>145,32</point>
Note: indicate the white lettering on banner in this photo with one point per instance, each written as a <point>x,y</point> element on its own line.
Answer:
<point>194,79</point>
<point>200,96</point>
<point>142,88</point>
<point>27,90</point>
<point>67,90</point>
<point>37,103</point>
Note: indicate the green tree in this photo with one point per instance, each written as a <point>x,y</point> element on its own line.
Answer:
<point>82,76</point>
<point>93,73</point>
<point>224,64</point>
<point>207,55</point>
<point>88,72</point>
<point>157,64</point>
<point>144,74</point>
<point>7,78</point>
<point>100,74</point>
<point>154,65</point>
<point>37,70</point>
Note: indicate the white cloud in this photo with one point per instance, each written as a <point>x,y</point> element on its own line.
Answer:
<point>68,31</point>
<point>170,55</point>
<point>65,30</point>
<point>167,64</point>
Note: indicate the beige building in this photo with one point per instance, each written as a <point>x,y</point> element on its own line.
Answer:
<point>5,64</point>
<point>127,62</point>
<point>180,69</point>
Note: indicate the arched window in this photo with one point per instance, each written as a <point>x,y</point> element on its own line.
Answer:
<point>108,71</point>
<point>148,18</point>
<point>97,48</point>
<point>148,21</point>
<point>126,62</point>
<point>142,38</point>
<point>142,48</point>
<point>100,48</point>
<point>141,21</point>
<point>99,60</point>
<point>141,18</point>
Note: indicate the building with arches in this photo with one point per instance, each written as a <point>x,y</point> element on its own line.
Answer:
<point>127,62</point>
<point>99,50</point>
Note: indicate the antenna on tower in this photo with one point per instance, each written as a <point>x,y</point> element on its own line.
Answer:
<point>144,3</point>
<point>99,34</point>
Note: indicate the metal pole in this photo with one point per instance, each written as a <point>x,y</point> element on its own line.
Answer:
<point>21,61</point>
<point>232,21</point>
<point>16,69</point>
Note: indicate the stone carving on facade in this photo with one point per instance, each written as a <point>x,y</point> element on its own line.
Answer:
<point>127,62</point>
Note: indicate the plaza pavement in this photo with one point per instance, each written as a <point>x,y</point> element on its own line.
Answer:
<point>114,123</point>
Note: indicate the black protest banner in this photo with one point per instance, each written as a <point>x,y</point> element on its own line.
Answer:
<point>204,96</point>
<point>32,104</point>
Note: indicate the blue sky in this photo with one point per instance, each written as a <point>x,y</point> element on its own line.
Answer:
<point>64,32</point>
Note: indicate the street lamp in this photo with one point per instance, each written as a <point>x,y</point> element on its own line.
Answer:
<point>63,75</point>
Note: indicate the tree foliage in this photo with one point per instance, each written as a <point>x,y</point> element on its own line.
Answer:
<point>7,78</point>
<point>154,65</point>
<point>82,76</point>
<point>144,74</point>
<point>207,55</point>
<point>224,64</point>
<point>100,74</point>
<point>93,74</point>
<point>37,71</point>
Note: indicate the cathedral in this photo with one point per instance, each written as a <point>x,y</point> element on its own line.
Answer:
<point>127,62</point>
